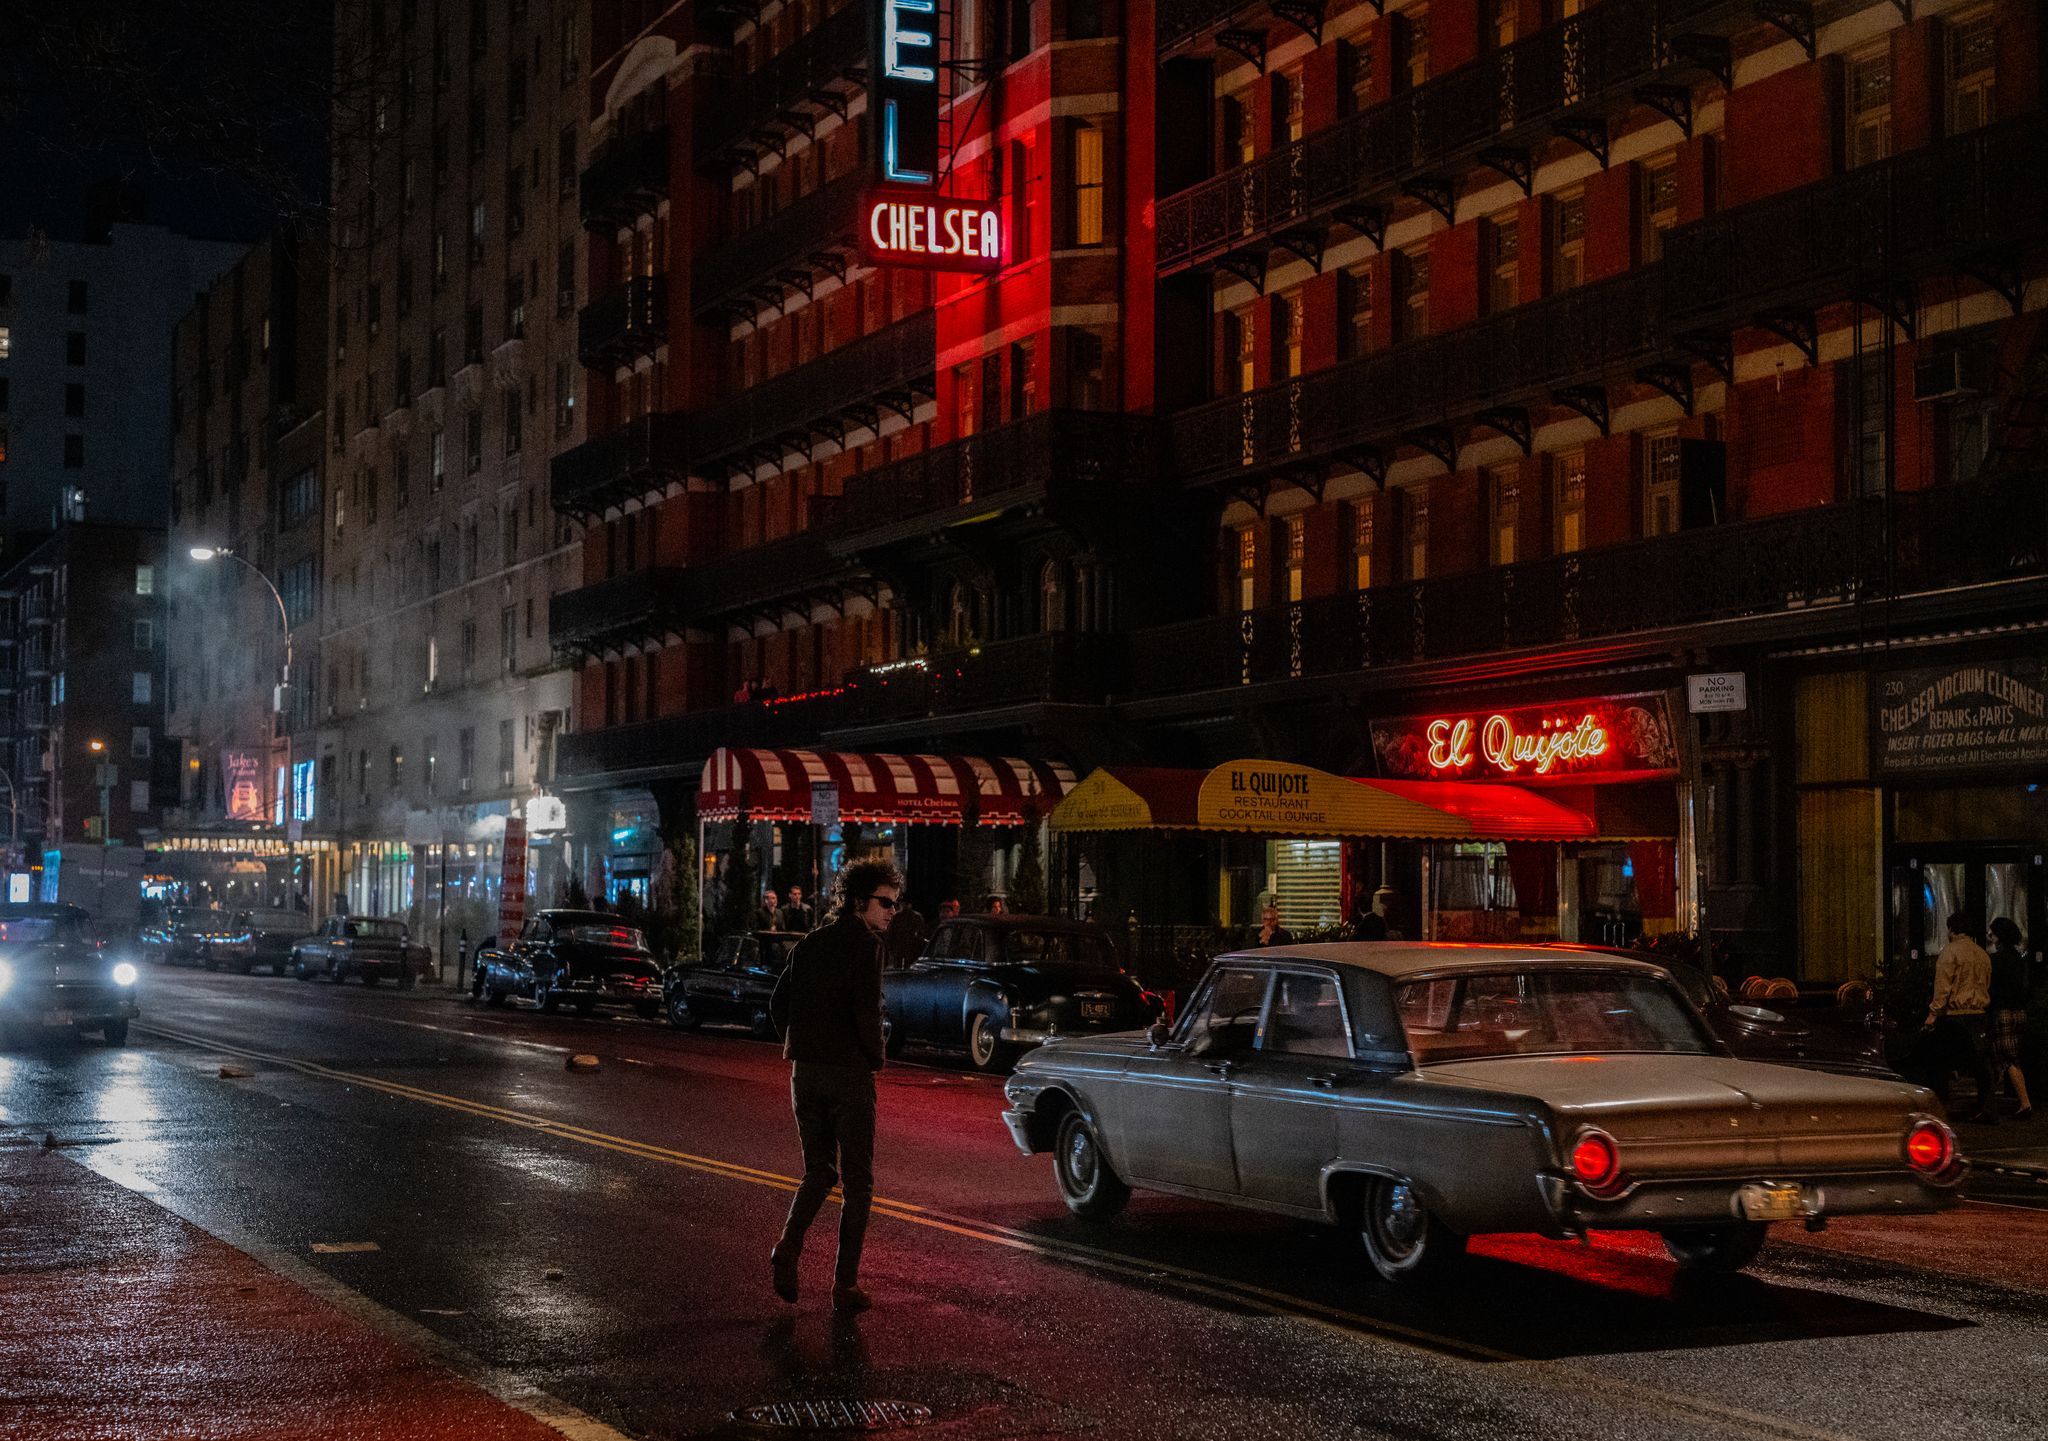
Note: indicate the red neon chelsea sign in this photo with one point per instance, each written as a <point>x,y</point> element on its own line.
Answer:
<point>930,232</point>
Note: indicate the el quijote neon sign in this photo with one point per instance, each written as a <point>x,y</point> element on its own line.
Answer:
<point>905,221</point>
<point>1508,750</point>
<point>1604,737</point>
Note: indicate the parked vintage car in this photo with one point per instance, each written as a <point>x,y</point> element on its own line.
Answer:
<point>733,985</point>
<point>198,936</point>
<point>1848,1035</point>
<point>272,936</point>
<point>586,958</point>
<point>995,985</point>
<point>56,976</point>
<point>360,948</point>
<point>1421,1094</point>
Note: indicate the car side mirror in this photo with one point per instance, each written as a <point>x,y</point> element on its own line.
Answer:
<point>1158,1034</point>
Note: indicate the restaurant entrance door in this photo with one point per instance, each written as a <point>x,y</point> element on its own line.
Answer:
<point>1929,883</point>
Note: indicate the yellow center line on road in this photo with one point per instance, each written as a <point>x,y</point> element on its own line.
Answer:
<point>1733,1420</point>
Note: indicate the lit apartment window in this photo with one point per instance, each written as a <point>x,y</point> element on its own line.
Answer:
<point>1568,268</point>
<point>433,674</point>
<point>1411,270</point>
<point>1416,56</point>
<point>437,456</point>
<point>1569,501</point>
<point>1244,328</point>
<point>145,580</point>
<point>1088,185</point>
<point>1361,542</point>
<point>1287,104</point>
<point>6,342</point>
<point>1354,73</point>
<point>1972,70</point>
<point>1297,552</point>
<point>1415,533</point>
<point>1868,115</point>
<point>1660,484</point>
<point>1504,512</point>
<point>1354,310</point>
<point>1660,203</point>
<point>1247,567</point>
<point>1287,321</point>
<point>1504,265</point>
<point>1506,24</point>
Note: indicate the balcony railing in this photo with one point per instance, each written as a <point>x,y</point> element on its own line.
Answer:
<point>627,179</point>
<point>626,605</point>
<point>680,744</point>
<point>1376,400</point>
<point>648,454</point>
<point>786,412</point>
<point>1068,669</point>
<point>1056,453</point>
<point>1798,563</point>
<point>785,250</point>
<point>1502,103</point>
<point>776,571</point>
<point>625,323</point>
<point>816,74</point>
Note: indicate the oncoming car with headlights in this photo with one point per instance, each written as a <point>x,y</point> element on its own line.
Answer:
<point>54,975</point>
<point>1421,1094</point>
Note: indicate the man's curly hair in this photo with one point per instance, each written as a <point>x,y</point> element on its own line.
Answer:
<point>862,878</point>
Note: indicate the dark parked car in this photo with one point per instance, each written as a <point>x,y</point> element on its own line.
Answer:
<point>997,984</point>
<point>1847,1038</point>
<point>272,935</point>
<point>198,936</point>
<point>360,947</point>
<point>55,975</point>
<point>587,958</point>
<point>733,985</point>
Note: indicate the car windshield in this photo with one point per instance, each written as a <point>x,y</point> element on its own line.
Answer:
<point>203,921</point>
<point>23,929</point>
<point>596,935</point>
<point>1065,950</point>
<point>1545,1013</point>
<point>376,930</point>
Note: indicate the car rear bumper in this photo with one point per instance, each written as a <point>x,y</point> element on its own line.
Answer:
<point>1700,1201</point>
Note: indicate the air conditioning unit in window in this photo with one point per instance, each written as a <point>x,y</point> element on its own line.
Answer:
<point>1953,374</point>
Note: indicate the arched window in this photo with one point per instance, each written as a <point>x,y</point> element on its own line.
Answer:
<point>959,620</point>
<point>1052,597</point>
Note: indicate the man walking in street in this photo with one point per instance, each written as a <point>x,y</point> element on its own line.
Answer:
<point>828,1006</point>
<point>1956,1016</point>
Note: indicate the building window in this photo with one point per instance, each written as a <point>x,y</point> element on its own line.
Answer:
<point>1660,484</point>
<point>1244,335</point>
<point>74,452</point>
<point>1362,517</point>
<point>1569,501</point>
<point>1506,22</point>
<point>1240,141</point>
<point>1568,267</point>
<point>432,750</point>
<point>1297,555</point>
<point>1868,114</point>
<point>437,456</point>
<point>1052,597</point>
<point>1248,568</point>
<point>74,348</point>
<point>1416,50</point>
<point>74,299</point>
<point>1503,265</point>
<point>508,639</point>
<point>1354,310</point>
<point>145,635</point>
<point>473,441</point>
<point>505,754</point>
<point>145,580</point>
<point>139,688</point>
<point>565,163</point>
<point>565,397</point>
<point>1411,270</point>
<point>138,743</point>
<point>1868,424</point>
<point>1504,512</point>
<point>6,342</point>
<point>1287,105</point>
<point>515,413</point>
<point>1972,70</point>
<point>1354,74</point>
<point>1660,204</point>
<point>1088,184</point>
<point>1287,322</point>
<point>1415,533</point>
<point>395,773</point>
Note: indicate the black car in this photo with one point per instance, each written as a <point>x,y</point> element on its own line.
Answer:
<point>199,936</point>
<point>1846,1037</point>
<point>587,958</point>
<point>370,950</point>
<point>997,984</point>
<point>55,975</point>
<point>272,936</point>
<point>733,985</point>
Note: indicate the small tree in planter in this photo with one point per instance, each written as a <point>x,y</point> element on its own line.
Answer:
<point>1027,882</point>
<point>971,855</point>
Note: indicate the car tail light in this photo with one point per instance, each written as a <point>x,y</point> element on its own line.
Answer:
<point>1596,1164</point>
<point>1930,1147</point>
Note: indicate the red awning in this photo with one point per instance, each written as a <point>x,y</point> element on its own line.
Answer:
<point>775,785</point>
<point>1497,812</point>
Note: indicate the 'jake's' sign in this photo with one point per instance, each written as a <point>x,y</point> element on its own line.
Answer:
<point>906,221</point>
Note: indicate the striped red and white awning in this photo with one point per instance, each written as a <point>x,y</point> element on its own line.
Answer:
<point>775,785</point>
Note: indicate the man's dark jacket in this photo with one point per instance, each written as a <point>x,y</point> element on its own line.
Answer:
<point>828,1004</point>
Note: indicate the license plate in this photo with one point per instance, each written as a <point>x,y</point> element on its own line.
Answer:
<point>1095,1010</point>
<point>60,1018</point>
<point>1771,1203</point>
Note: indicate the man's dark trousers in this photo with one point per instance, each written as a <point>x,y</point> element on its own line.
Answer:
<point>835,1121</point>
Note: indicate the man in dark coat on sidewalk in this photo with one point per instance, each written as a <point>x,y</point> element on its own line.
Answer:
<point>828,1007</point>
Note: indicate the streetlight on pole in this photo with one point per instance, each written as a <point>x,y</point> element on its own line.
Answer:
<point>204,553</point>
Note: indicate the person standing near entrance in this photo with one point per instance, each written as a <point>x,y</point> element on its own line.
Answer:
<point>1271,932</point>
<point>2009,1011</point>
<point>796,916</point>
<point>828,1007</point>
<point>1956,1016</point>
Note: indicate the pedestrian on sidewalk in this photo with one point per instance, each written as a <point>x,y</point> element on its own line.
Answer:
<point>796,916</point>
<point>2009,1011</point>
<point>828,1007</point>
<point>1271,932</point>
<point>1956,1021</point>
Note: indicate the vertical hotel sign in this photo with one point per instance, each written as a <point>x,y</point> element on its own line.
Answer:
<point>512,883</point>
<point>904,220</point>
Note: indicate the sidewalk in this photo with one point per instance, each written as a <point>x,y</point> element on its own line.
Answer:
<point>2019,1147</point>
<point>121,1320</point>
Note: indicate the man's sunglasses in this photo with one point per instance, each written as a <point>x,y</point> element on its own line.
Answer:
<point>887,903</point>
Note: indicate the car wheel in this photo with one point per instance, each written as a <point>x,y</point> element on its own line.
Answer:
<point>894,1038</point>
<point>544,996</point>
<point>1404,1242</point>
<point>681,1014</point>
<point>1087,1184</point>
<point>116,1032</point>
<point>303,972</point>
<point>762,1025</point>
<point>1716,1250</point>
<point>985,1048</point>
<point>476,985</point>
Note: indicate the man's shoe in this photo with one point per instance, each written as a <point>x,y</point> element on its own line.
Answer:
<point>849,1299</point>
<point>784,1268</point>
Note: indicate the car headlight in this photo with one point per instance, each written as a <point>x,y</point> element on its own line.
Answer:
<point>124,974</point>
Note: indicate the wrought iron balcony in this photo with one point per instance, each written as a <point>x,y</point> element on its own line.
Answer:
<point>1415,393</point>
<point>625,323</point>
<point>623,608</point>
<point>792,90</point>
<point>1058,454</point>
<point>785,252</point>
<point>1567,79</point>
<point>769,576</point>
<point>843,389</point>
<point>649,454</point>
<point>625,180</point>
<point>679,745</point>
<point>1796,565</point>
<point>1059,669</point>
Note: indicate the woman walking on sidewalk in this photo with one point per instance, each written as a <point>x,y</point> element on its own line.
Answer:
<point>2009,1011</point>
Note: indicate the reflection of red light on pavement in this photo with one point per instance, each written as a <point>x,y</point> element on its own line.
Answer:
<point>1634,1262</point>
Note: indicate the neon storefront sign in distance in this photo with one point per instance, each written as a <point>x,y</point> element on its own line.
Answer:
<point>1606,737</point>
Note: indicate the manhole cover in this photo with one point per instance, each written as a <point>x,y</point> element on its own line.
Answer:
<point>837,1414</point>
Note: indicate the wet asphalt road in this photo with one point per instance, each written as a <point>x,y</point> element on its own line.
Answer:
<point>604,1234</point>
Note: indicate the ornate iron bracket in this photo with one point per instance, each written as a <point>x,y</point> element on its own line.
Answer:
<point>1588,132</point>
<point>1248,266</point>
<point>1715,351</point>
<point>1438,441</point>
<point>1673,102</point>
<point>2001,271</point>
<point>1304,242</point>
<point>838,102</point>
<point>1370,461</point>
<point>1247,44</point>
<point>1312,477</point>
<point>1513,163</point>
<point>770,296</point>
<point>832,262</point>
<point>1252,493</point>
<point>773,140</point>
<point>1304,15</point>
<point>796,279</point>
<point>898,404</point>
<point>1711,53</point>
<point>1511,421</point>
<point>1587,400</point>
<point>1800,327</point>
<point>1368,220</point>
<point>864,417</point>
<point>1437,194</point>
<point>1895,303</point>
<point>800,120</point>
<point>1672,380</point>
<point>1794,17</point>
